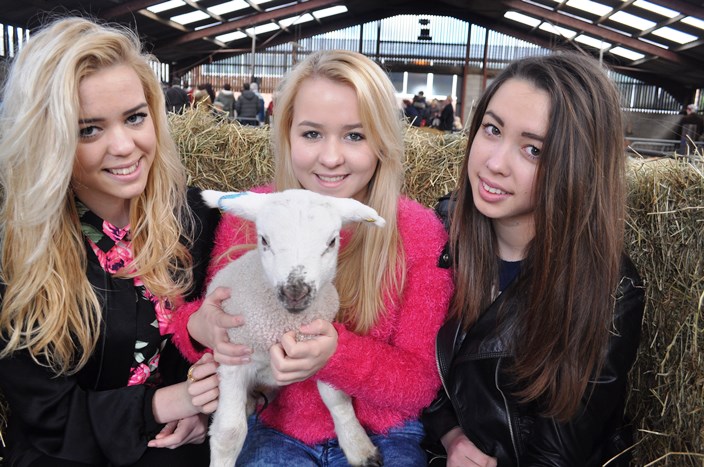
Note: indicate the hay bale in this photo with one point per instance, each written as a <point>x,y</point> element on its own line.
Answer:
<point>432,163</point>
<point>664,236</point>
<point>219,155</point>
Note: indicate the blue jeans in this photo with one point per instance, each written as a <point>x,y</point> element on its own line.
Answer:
<point>266,447</point>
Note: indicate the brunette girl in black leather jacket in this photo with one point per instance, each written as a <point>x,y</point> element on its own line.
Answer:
<point>545,322</point>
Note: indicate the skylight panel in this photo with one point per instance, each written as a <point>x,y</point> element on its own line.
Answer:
<point>228,7</point>
<point>286,22</point>
<point>206,26</point>
<point>592,42</point>
<point>259,2</point>
<point>692,21</point>
<point>674,35</point>
<point>557,30</point>
<point>521,18</point>
<point>626,53</point>
<point>657,9</point>
<point>632,20</point>
<point>191,17</point>
<point>262,28</point>
<point>170,5</point>
<point>590,7</point>
<point>325,12</point>
<point>230,36</point>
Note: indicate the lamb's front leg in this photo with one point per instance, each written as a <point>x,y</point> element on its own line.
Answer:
<point>229,427</point>
<point>358,448</point>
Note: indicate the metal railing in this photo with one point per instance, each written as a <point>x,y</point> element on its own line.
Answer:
<point>652,147</point>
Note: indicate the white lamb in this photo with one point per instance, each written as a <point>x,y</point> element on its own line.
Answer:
<point>284,283</point>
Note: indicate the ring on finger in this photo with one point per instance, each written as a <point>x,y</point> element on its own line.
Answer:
<point>190,376</point>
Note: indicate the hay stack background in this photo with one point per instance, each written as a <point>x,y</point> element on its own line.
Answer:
<point>665,238</point>
<point>222,156</point>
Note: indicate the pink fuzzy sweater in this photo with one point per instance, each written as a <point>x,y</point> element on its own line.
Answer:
<point>390,373</point>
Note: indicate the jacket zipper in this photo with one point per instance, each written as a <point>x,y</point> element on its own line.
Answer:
<point>508,413</point>
<point>440,372</point>
<point>442,378</point>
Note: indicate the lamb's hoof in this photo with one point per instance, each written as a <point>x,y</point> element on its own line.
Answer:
<point>374,461</point>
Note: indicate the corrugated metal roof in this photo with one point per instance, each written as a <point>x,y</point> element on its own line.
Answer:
<point>657,41</point>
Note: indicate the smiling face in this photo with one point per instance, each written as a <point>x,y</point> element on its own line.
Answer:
<point>117,143</point>
<point>504,156</point>
<point>330,154</point>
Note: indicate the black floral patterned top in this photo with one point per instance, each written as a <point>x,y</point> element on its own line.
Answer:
<point>112,246</point>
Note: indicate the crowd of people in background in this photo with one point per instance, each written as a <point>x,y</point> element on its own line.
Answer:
<point>248,107</point>
<point>436,114</point>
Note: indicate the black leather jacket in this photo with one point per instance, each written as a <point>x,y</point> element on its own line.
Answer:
<point>478,394</point>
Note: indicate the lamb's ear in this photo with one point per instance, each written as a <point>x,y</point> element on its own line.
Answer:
<point>353,211</point>
<point>244,204</point>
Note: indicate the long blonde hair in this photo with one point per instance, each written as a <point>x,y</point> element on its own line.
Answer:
<point>49,307</point>
<point>372,266</point>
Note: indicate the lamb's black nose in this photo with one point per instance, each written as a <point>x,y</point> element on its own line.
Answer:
<point>296,292</point>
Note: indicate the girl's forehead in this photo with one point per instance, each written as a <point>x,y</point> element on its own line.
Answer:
<point>519,103</point>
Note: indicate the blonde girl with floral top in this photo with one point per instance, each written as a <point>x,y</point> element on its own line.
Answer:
<point>100,240</point>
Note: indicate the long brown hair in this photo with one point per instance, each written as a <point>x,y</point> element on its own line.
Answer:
<point>571,270</point>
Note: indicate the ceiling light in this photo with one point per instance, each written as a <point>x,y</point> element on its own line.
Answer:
<point>191,17</point>
<point>674,35</point>
<point>286,22</point>
<point>593,42</point>
<point>652,42</point>
<point>632,20</point>
<point>660,10</point>
<point>206,26</point>
<point>262,28</point>
<point>557,30</point>
<point>170,5</point>
<point>692,21</point>
<point>230,36</point>
<point>521,18</point>
<point>228,7</point>
<point>590,7</point>
<point>626,53</point>
<point>335,10</point>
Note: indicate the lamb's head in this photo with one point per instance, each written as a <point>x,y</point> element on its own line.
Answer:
<point>298,236</point>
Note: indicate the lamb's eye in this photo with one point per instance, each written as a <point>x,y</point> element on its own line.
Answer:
<point>264,240</point>
<point>331,243</point>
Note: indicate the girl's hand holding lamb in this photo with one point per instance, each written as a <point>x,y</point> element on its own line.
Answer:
<point>300,354</point>
<point>208,326</point>
<point>203,384</point>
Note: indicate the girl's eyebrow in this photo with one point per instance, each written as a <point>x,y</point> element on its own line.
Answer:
<point>125,113</point>
<point>526,134</point>
<point>496,117</point>
<point>351,126</point>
